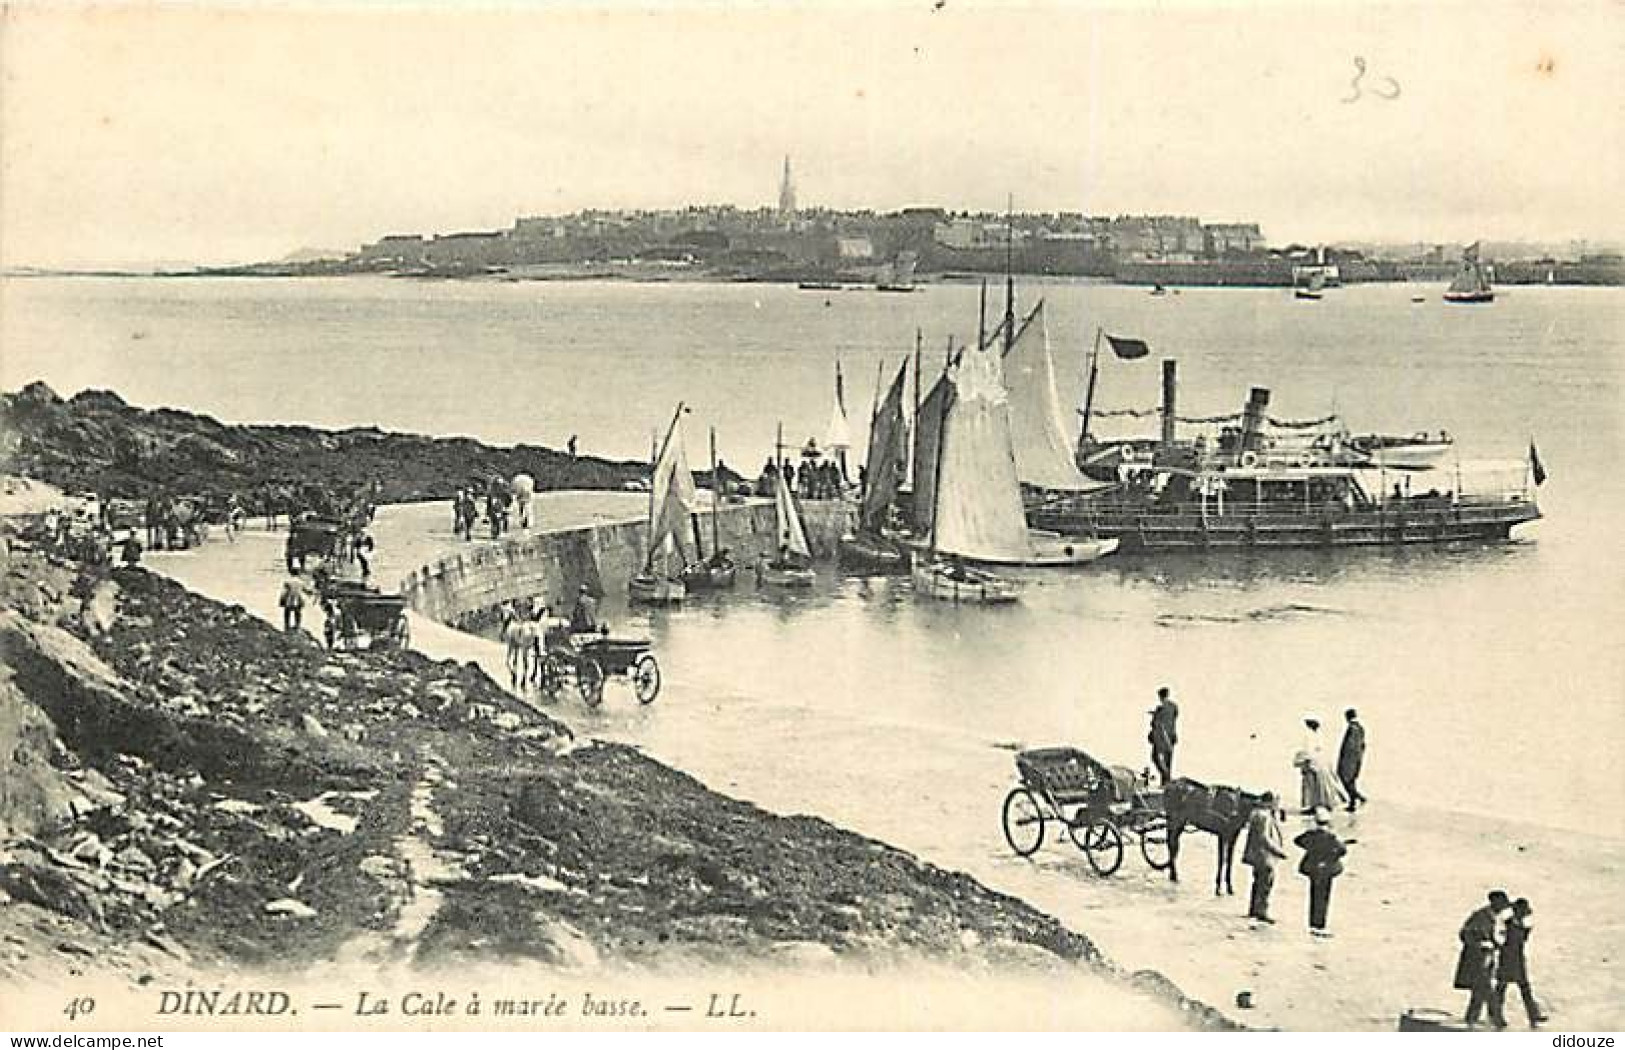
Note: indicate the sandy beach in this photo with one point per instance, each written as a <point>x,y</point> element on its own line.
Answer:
<point>1413,872</point>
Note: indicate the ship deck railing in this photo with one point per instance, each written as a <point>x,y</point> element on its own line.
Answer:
<point>1463,508</point>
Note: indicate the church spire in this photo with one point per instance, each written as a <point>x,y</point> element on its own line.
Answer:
<point>787,193</point>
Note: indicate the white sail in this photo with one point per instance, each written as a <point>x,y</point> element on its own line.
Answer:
<point>791,534</point>
<point>978,499</point>
<point>839,436</point>
<point>1043,452</point>
<point>673,495</point>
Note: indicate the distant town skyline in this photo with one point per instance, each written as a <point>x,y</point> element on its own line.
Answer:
<point>233,134</point>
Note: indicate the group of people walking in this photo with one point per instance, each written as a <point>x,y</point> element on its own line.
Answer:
<point>502,503</point>
<point>1494,957</point>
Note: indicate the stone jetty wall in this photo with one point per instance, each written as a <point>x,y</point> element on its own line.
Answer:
<point>464,589</point>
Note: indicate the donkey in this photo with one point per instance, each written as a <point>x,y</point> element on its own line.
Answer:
<point>1220,811</point>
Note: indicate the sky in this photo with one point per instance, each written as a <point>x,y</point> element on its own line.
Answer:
<point>211,133</point>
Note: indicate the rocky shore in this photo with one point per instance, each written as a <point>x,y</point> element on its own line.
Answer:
<point>194,789</point>
<point>96,442</point>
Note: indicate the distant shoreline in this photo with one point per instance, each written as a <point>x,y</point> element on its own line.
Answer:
<point>1181,275</point>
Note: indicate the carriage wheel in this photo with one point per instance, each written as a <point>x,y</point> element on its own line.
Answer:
<point>1023,822</point>
<point>1101,842</point>
<point>590,681</point>
<point>1154,843</point>
<point>646,679</point>
<point>554,670</point>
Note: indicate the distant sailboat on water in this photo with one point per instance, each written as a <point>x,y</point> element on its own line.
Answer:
<point>1472,283</point>
<point>1313,288</point>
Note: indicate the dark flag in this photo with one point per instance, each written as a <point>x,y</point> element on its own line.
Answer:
<point>1128,349</point>
<point>1537,468</point>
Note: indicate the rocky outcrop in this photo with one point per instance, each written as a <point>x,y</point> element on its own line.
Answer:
<point>261,800</point>
<point>96,442</point>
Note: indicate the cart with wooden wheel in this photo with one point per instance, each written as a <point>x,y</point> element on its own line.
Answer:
<point>588,661</point>
<point>1097,805</point>
<point>359,616</point>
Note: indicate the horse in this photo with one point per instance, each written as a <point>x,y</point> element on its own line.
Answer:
<point>519,634</point>
<point>1220,811</point>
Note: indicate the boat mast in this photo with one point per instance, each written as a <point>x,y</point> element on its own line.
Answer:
<point>1089,389</point>
<point>716,499</point>
<point>1009,275</point>
<point>981,322</point>
<point>942,434</point>
<point>914,432</point>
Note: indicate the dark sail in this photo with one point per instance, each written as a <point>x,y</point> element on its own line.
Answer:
<point>883,469</point>
<point>927,430</point>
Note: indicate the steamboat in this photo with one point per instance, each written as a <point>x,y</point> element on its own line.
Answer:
<point>1256,489</point>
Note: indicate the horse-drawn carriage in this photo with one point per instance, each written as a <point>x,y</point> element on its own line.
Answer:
<point>587,660</point>
<point>1097,804</point>
<point>311,534</point>
<point>359,616</point>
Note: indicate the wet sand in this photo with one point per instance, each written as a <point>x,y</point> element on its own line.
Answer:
<point>1413,874</point>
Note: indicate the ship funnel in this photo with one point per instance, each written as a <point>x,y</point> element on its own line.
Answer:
<point>1170,398</point>
<point>1252,419</point>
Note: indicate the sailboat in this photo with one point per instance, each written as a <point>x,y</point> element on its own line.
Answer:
<point>789,565</point>
<point>838,438</point>
<point>870,550</point>
<point>672,498</point>
<point>1045,462</point>
<point>1313,288</point>
<point>1471,285</point>
<point>717,572</point>
<point>898,276</point>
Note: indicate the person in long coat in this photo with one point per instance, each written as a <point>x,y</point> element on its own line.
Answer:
<point>1351,756</point>
<point>1481,937</point>
<point>1263,849</point>
<point>1320,787</point>
<point>1514,967</point>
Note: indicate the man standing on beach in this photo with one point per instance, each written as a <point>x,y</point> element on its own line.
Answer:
<point>1322,862</point>
<point>292,602</point>
<point>1481,937</point>
<point>1350,757</point>
<point>1164,734</point>
<point>1264,847</point>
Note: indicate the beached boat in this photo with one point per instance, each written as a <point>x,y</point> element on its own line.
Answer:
<point>716,571</point>
<point>872,549</point>
<point>790,565</point>
<point>1472,283</point>
<point>672,498</point>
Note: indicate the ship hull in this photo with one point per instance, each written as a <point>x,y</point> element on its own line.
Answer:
<point>937,581</point>
<point>1469,297</point>
<point>865,555</point>
<point>1148,530</point>
<point>654,590</point>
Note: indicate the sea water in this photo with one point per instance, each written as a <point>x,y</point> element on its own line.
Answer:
<point>1488,675</point>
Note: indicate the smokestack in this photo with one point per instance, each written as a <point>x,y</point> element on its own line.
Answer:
<point>1252,419</point>
<point>1170,398</point>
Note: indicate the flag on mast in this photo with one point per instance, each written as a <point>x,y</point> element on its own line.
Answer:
<point>1536,467</point>
<point>1128,349</point>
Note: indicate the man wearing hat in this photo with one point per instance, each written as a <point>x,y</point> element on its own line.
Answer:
<point>1514,968</point>
<point>1264,848</point>
<point>1351,756</point>
<point>1322,862</point>
<point>584,617</point>
<point>1481,938</point>
<point>1164,734</point>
